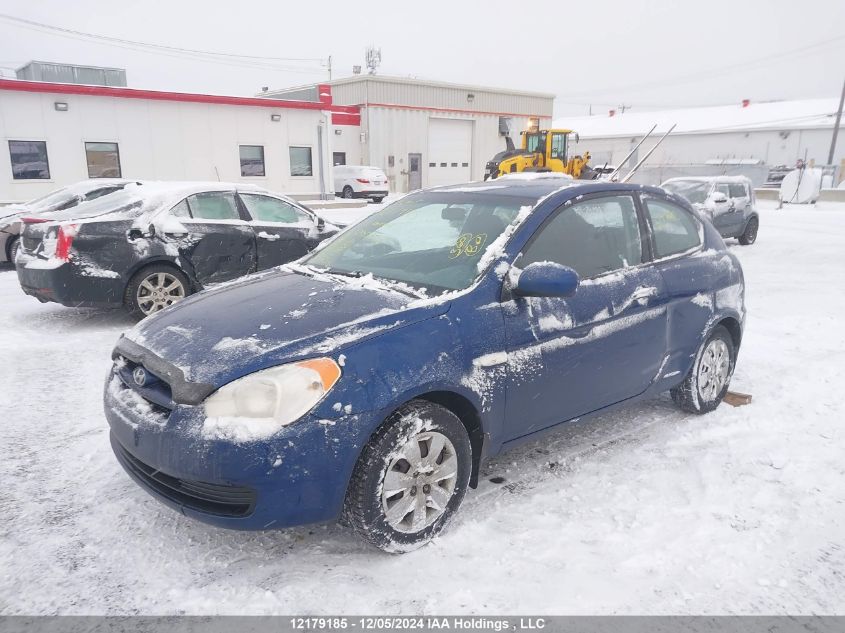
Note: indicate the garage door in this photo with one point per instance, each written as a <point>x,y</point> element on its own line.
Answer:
<point>449,151</point>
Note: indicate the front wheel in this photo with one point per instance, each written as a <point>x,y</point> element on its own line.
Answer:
<point>154,288</point>
<point>347,192</point>
<point>749,235</point>
<point>410,478</point>
<point>707,381</point>
<point>14,247</point>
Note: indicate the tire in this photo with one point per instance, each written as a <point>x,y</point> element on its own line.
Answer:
<point>156,276</point>
<point>700,392</point>
<point>347,192</point>
<point>12,248</point>
<point>407,433</point>
<point>749,235</point>
<point>378,199</point>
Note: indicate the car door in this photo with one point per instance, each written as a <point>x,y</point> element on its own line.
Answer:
<point>689,273</point>
<point>283,231</point>
<point>740,197</point>
<point>604,344</point>
<point>220,245</point>
<point>722,216</point>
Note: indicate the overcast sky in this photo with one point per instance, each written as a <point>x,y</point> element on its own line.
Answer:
<point>607,52</point>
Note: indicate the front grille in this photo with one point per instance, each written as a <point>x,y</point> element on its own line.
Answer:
<point>217,499</point>
<point>154,390</point>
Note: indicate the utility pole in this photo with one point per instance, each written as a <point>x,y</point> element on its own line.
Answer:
<point>330,67</point>
<point>836,126</point>
<point>623,107</point>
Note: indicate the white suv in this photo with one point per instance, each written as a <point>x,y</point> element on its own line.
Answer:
<point>359,181</point>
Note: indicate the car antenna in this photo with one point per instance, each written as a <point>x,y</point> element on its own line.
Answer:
<point>647,154</point>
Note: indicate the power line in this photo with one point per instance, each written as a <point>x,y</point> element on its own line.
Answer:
<point>232,59</point>
<point>710,72</point>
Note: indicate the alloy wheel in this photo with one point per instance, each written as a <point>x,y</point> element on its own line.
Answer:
<point>713,369</point>
<point>157,291</point>
<point>419,482</point>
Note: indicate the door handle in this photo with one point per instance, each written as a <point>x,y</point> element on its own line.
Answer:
<point>268,236</point>
<point>641,295</point>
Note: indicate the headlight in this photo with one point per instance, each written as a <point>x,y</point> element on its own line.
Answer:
<point>276,396</point>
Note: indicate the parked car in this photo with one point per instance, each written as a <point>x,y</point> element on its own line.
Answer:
<point>359,181</point>
<point>370,383</point>
<point>149,246</point>
<point>728,201</point>
<point>58,200</point>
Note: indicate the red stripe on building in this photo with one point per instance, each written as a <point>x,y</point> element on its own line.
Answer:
<point>157,95</point>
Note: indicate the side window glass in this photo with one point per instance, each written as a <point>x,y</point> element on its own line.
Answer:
<point>214,205</point>
<point>592,237</point>
<point>99,193</point>
<point>723,188</point>
<point>675,229</point>
<point>559,145</point>
<point>181,210</point>
<point>268,209</point>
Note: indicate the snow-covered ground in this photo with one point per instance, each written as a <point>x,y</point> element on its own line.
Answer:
<point>648,510</point>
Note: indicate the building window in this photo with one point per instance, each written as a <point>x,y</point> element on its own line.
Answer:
<point>29,160</point>
<point>103,160</point>
<point>300,161</point>
<point>338,158</point>
<point>252,160</point>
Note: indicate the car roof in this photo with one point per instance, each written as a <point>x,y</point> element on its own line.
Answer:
<point>539,188</point>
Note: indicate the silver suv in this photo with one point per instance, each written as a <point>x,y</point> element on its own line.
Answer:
<point>728,201</point>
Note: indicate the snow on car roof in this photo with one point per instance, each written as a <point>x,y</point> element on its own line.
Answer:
<point>778,115</point>
<point>742,179</point>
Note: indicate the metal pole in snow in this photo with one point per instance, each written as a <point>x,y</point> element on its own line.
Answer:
<point>836,126</point>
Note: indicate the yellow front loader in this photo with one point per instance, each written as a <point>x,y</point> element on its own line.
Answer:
<point>542,150</point>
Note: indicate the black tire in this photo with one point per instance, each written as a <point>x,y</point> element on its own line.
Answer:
<point>749,235</point>
<point>688,395</point>
<point>12,248</point>
<point>130,295</point>
<point>378,199</point>
<point>347,192</point>
<point>365,510</point>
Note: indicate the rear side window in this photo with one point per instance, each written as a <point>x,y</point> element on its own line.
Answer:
<point>737,190</point>
<point>593,237</point>
<point>268,209</point>
<point>675,229</point>
<point>215,205</point>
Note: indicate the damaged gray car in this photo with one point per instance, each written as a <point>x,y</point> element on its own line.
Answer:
<point>148,246</point>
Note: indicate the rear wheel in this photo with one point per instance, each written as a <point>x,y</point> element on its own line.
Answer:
<point>707,381</point>
<point>749,236</point>
<point>410,478</point>
<point>347,192</point>
<point>154,288</point>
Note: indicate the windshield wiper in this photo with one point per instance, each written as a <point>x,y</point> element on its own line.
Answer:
<point>345,273</point>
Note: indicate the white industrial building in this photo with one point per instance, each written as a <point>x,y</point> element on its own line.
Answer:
<point>425,133</point>
<point>54,134</point>
<point>732,136</point>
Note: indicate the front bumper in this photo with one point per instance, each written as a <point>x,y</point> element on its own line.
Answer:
<point>298,477</point>
<point>66,285</point>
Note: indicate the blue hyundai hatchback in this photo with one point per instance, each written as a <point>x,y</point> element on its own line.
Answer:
<point>368,381</point>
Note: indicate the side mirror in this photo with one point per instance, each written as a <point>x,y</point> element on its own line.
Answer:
<point>321,223</point>
<point>546,279</point>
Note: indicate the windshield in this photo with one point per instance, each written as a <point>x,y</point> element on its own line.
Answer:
<point>693,190</point>
<point>429,240</point>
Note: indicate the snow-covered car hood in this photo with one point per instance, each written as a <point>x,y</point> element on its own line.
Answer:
<point>224,333</point>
